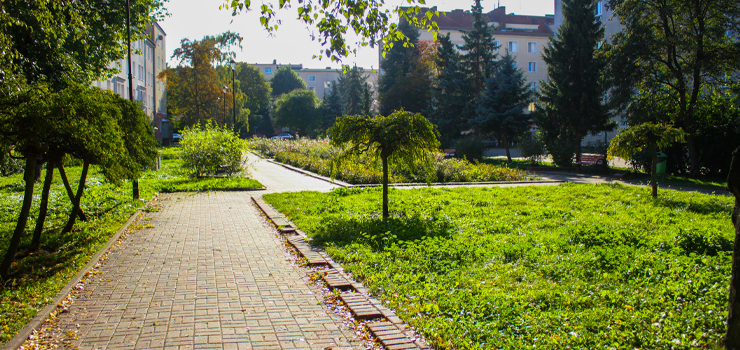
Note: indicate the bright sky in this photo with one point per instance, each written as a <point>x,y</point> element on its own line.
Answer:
<point>194,19</point>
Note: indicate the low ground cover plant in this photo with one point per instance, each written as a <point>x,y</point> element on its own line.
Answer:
<point>316,156</point>
<point>572,266</point>
<point>36,278</point>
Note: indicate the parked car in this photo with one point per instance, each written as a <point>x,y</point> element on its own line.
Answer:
<point>176,137</point>
<point>283,136</point>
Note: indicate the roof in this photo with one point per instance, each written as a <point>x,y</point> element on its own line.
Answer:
<point>508,24</point>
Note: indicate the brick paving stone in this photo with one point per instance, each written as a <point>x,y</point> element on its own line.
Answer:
<point>209,274</point>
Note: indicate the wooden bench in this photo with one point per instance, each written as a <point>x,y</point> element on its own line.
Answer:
<point>595,160</point>
<point>450,153</point>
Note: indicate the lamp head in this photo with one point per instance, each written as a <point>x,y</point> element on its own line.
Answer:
<point>232,63</point>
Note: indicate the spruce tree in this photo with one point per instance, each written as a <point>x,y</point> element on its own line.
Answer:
<point>353,91</point>
<point>480,50</point>
<point>572,101</point>
<point>332,106</point>
<point>500,108</point>
<point>450,92</point>
<point>404,82</point>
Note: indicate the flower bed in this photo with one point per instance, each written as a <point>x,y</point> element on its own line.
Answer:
<point>317,155</point>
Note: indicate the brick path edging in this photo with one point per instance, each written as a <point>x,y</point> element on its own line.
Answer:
<point>390,333</point>
<point>42,315</point>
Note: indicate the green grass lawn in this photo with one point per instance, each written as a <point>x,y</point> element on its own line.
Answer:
<point>516,163</point>
<point>571,266</point>
<point>39,277</point>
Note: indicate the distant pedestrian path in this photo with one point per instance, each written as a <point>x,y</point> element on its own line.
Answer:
<point>279,179</point>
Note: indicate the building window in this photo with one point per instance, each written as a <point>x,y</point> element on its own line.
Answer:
<point>599,8</point>
<point>532,47</point>
<point>531,107</point>
<point>533,85</point>
<point>268,70</point>
<point>513,46</point>
<point>515,64</point>
<point>312,88</point>
<point>496,45</point>
<point>532,67</point>
<point>311,78</point>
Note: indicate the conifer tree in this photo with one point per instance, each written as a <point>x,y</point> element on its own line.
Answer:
<point>501,105</point>
<point>354,92</point>
<point>332,106</point>
<point>450,91</point>
<point>480,50</point>
<point>573,98</point>
<point>404,82</point>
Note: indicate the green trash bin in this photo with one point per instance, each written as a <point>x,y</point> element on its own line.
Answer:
<point>662,161</point>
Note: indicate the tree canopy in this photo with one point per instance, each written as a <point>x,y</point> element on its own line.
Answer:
<point>256,90</point>
<point>334,18</point>
<point>285,80</point>
<point>401,137</point>
<point>502,104</point>
<point>298,110</point>
<point>450,91</point>
<point>670,56</point>
<point>479,58</point>
<point>572,100</point>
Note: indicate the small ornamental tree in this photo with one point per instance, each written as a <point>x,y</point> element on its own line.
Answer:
<point>402,137</point>
<point>648,135</point>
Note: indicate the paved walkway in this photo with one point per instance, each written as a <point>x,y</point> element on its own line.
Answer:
<point>208,274</point>
<point>279,179</point>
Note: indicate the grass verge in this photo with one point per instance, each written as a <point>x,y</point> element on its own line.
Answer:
<point>571,266</point>
<point>36,278</point>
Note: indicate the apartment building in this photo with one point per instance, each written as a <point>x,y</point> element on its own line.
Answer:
<point>148,59</point>
<point>523,36</point>
<point>318,80</point>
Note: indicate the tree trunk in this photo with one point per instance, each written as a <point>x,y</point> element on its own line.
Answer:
<point>43,207</point>
<point>732,336</point>
<point>385,188</point>
<point>506,146</point>
<point>135,188</point>
<point>693,154</point>
<point>63,175</point>
<point>578,151</point>
<point>15,241</point>
<point>78,197</point>
<point>654,170</point>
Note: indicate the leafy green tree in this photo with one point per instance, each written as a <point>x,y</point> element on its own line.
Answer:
<point>402,137</point>
<point>331,106</point>
<point>354,91</point>
<point>298,110</point>
<point>205,148</point>
<point>678,50</point>
<point>450,91</point>
<point>256,91</point>
<point>404,82</point>
<point>572,100</point>
<point>502,104</point>
<point>286,80</point>
<point>367,19</point>
<point>647,135</point>
<point>480,55</point>
<point>194,87</point>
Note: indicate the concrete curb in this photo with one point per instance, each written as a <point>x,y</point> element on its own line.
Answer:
<point>37,321</point>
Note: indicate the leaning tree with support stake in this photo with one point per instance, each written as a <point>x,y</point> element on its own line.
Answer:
<point>402,137</point>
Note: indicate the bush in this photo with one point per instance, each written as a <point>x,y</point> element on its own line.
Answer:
<point>10,166</point>
<point>562,150</point>
<point>470,148</point>
<point>532,148</point>
<point>207,148</point>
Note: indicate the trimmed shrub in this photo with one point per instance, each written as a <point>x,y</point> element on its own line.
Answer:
<point>209,147</point>
<point>532,148</point>
<point>470,148</point>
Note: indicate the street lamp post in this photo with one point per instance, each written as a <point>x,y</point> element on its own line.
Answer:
<point>224,110</point>
<point>233,90</point>
<point>134,182</point>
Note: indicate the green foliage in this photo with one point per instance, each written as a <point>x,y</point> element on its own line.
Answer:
<point>10,165</point>
<point>208,147</point>
<point>641,137</point>
<point>331,107</point>
<point>298,110</point>
<point>470,147</point>
<point>571,103</point>
<point>480,55</point>
<point>572,266</point>
<point>405,82</point>
<point>532,148</point>
<point>317,155</point>
<point>451,92</point>
<point>256,91</point>
<point>670,57</point>
<point>501,106</point>
<point>367,19</point>
<point>285,80</point>
<point>354,91</point>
